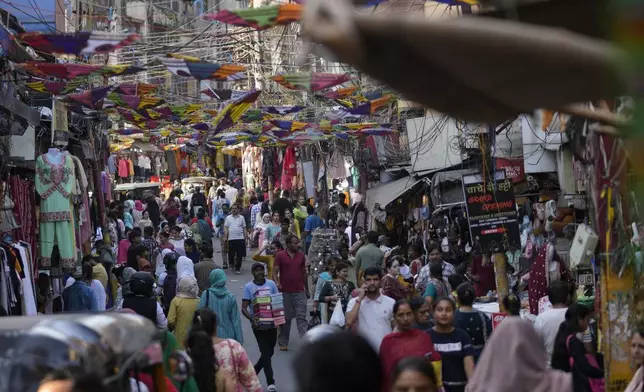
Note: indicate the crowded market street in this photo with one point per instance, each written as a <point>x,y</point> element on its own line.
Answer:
<point>321,196</point>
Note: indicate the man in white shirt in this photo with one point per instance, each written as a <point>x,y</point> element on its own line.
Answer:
<point>547,323</point>
<point>235,234</point>
<point>372,310</point>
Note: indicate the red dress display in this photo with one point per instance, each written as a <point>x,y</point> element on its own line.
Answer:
<point>538,282</point>
<point>289,169</point>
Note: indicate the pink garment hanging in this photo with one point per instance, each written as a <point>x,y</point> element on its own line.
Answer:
<point>124,168</point>
<point>22,194</point>
<point>289,169</point>
<point>86,224</point>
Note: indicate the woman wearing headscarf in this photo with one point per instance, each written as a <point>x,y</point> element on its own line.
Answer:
<point>137,211</point>
<point>224,304</point>
<point>515,345</point>
<point>128,220</point>
<point>182,308</point>
<point>260,229</point>
<point>185,267</point>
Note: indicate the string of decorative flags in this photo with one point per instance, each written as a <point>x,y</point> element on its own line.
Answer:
<point>237,121</point>
<point>260,18</point>
<point>310,81</point>
<point>202,70</point>
<point>80,43</point>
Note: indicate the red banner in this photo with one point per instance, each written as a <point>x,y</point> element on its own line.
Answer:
<point>513,168</point>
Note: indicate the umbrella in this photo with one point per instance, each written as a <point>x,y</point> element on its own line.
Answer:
<point>511,67</point>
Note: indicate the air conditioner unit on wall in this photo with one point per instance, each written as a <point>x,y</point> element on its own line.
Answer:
<point>583,246</point>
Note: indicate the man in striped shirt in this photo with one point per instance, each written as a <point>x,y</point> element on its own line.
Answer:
<point>255,210</point>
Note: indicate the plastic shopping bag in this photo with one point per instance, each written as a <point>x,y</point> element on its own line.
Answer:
<point>337,318</point>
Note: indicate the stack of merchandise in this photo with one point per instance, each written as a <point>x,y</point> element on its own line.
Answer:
<point>277,302</point>
<point>324,245</point>
<point>268,309</point>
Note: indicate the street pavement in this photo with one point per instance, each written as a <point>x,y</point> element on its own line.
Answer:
<point>281,360</point>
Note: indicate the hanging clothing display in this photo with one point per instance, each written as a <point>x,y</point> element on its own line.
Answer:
<point>289,169</point>
<point>8,221</point>
<point>17,292</point>
<point>82,200</point>
<point>55,181</point>
<point>336,166</point>
<point>23,192</point>
<point>123,168</point>
<point>106,186</point>
<point>540,275</point>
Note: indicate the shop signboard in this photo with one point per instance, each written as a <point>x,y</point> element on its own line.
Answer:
<point>513,167</point>
<point>491,212</point>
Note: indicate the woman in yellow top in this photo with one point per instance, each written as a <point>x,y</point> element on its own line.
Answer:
<point>182,308</point>
<point>295,224</point>
<point>275,246</point>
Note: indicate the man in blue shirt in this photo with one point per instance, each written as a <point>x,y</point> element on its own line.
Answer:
<point>312,222</point>
<point>79,297</point>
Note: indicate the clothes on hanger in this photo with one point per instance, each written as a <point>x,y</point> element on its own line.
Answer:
<point>23,193</point>
<point>55,180</point>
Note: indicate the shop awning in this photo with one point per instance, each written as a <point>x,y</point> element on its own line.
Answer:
<point>386,193</point>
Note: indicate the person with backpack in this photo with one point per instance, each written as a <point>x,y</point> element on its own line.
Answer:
<point>570,355</point>
<point>470,320</point>
<point>140,298</point>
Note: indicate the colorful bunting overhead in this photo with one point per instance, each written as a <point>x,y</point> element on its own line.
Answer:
<point>202,70</point>
<point>54,88</point>
<point>59,70</point>
<point>136,88</point>
<point>282,110</point>
<point>92,99</point>
<point>73,71</point>
<point>234,111</point>
<point>258,18</point>
<point>310,81</point>
<point>340,93</point>
<point>119,70</point>
<point>376,131</point>
<point>223,94</point>
<point>135,102</point>
<point>254,115</point>
<point>291,125</point>
<point>78,43</point>
<point>370,107</point>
